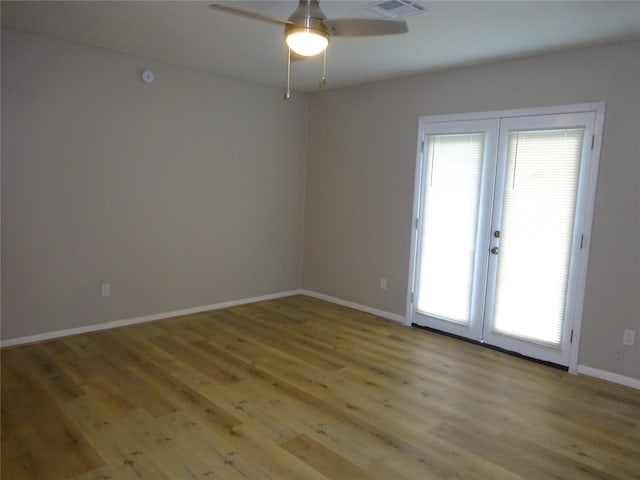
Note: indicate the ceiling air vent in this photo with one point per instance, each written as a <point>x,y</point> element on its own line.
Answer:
<point>397,9</point>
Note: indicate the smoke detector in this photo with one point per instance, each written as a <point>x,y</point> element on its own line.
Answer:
<point>397,9</point>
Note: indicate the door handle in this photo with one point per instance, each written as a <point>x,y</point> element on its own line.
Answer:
<point>494,250</point>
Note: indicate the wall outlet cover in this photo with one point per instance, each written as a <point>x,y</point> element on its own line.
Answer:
<point>629,337</point>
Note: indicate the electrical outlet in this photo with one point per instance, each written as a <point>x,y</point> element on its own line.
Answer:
<point>619,354</point>
<point>106,289</point>
<point>629,337</point>
<point>383,283</point>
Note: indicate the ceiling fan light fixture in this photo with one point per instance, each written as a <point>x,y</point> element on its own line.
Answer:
<point>307,41</point>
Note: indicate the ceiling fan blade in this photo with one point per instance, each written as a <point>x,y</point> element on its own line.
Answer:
<point>248,14</point>
<point>363,27</point>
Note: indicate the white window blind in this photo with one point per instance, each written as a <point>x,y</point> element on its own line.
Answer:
<point>537,228</point>
<point>449,210</point>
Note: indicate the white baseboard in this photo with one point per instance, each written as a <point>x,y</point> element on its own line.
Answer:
<point>610,376</point>
<point>345,303</point>
<point>147,318</point>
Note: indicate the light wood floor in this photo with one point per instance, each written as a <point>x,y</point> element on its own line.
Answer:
<point>298,388</point>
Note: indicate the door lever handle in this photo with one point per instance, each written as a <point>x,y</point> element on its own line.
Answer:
<point>494,250</point>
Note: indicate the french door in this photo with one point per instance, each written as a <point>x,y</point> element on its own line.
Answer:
<point>503,204</point>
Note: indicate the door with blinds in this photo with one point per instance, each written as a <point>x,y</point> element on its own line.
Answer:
<point>502,207</point>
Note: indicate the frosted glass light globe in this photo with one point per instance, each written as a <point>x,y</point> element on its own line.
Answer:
<point>306,42</point>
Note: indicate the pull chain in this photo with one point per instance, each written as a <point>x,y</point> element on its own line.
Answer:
<point>323,80</point>
<point>287,92</point>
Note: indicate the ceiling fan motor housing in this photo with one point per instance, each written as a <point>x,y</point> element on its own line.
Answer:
<point>308,9</point>
<point>308,25</point>
<point>307,17</point>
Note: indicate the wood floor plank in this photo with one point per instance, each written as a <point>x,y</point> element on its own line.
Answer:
<point>113,439</point>
<point>51,443</point>
<point>182,351</point>
<point>173,455</point>
<point>323,459</point>
<point>298,388</point>
<point>34,363</point>
<point>186,397</point>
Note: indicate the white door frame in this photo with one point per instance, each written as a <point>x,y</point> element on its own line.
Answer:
<point>586,214</point>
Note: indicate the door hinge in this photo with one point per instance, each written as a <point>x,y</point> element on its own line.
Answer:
<point>593,141</point>
<point>411,297</point>
<point>422,147</point>
<point>571,338</point>
<point>581,242</point>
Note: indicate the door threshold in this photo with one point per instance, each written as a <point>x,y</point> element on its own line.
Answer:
<point>493,347</point>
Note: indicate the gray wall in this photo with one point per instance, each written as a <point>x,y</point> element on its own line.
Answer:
<point>360,172</point>
<point>183,193</point>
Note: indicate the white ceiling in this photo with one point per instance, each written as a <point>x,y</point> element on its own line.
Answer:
<point>450,34</point>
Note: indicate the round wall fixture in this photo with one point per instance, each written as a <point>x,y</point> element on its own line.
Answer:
<point>147,76</point>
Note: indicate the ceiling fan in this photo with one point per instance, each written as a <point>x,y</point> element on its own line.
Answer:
<point>307,30</point>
